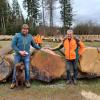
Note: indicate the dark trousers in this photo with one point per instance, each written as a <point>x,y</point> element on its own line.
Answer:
<point>71,66</point>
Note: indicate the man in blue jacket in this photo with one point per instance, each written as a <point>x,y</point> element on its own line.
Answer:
<point>21,44</point>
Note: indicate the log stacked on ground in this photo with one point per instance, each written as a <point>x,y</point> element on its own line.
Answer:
<point>90,61</point>
<point>5,65</point>
<point>47,65</point>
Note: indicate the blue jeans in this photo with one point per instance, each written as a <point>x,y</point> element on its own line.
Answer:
<point>71,65</point>
<point>26,60</point>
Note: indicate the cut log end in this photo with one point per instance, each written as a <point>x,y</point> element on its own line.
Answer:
<point>5,70</point>
<point>47,66</point>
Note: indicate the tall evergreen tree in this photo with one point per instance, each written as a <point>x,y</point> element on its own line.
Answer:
<point>16,8</point>
<point>43,15</point>
<point>32,7</point>
<point>50,7</point>
<point>17,15</point>
<point>66,14</point>
<point>10,18</point>
<point>3,16</point>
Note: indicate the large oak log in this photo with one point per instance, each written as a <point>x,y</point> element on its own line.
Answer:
<point>90,61</point>
<point>5,37</point>
<point>7,62</point>
<point>5,50</point>
<point>5,68</point>
<point>46,65</point>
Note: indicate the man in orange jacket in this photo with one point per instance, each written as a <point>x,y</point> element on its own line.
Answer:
<point>73,48</point>
<point>38,40</point>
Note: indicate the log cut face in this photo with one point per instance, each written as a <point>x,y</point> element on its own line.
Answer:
<point>47,65</point>
<point>4,70</point>
<point>90,61</point>
<point>5,66</point>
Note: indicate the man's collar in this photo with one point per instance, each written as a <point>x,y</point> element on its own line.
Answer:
<point>23,34</point>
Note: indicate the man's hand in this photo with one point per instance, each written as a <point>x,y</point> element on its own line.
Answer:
<point>22,53</point>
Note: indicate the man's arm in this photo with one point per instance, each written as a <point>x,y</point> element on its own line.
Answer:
<point>14,44</point>
<point>58,47</point>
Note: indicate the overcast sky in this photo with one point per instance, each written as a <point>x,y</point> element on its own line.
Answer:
<point>87,10</point>
<point>84,10</point>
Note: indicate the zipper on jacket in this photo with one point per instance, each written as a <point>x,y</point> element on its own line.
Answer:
<point>24,42</point>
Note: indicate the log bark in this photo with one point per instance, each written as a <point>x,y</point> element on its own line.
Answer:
<point>5,50</point>
<point>5,68</point>
<point>46,65</point>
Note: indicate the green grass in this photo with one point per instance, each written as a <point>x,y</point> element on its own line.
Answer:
<point>92,44</point>
<point>57,90</point>
<point>92,85</point>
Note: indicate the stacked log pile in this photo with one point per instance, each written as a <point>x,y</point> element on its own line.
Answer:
<point>46,65</point>
<point>5,37</point>
<point>89,38</point>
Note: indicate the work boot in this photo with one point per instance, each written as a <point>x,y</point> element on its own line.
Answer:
<point>13,85</point>
<point>75,82</point>
<point>68,82</point>
<point>27,84</point>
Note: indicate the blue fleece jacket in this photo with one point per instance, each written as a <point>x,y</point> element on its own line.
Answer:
<point>21,42</point>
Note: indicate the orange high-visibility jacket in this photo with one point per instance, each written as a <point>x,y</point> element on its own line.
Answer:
<point>38,39</point>
<point>70,47</point>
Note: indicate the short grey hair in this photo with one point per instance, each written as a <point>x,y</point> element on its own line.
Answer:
<point>25,26</point>
<point>70,31</point>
